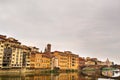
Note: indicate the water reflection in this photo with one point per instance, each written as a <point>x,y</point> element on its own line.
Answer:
<point>111,73</point>
<point>87,75</point>
<point>65,76</point>
<point>61,76</point>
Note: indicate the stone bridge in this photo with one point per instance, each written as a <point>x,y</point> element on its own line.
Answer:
<point>99,67</point>
<point>116,66</point>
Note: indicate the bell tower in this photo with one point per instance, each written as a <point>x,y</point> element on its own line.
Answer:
<point>48,47</point>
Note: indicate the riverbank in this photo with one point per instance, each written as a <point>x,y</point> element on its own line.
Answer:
<point>24,70</point>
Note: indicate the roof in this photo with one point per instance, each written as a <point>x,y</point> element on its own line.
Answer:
<point>2,37</point>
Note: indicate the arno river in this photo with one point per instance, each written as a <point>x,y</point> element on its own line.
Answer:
<point>86,75</point>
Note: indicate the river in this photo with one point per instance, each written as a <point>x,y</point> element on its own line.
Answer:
<point>86,75</point>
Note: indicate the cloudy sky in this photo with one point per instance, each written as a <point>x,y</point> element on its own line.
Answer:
<point>85,27</point>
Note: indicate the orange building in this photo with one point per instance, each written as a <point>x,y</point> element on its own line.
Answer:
<point>73,60</point>
<point>62,59</point>
<point>40,61</point>
<point>67,60</point>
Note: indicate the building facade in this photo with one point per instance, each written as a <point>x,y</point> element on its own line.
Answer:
<point>67,60</point>
<point>81,62</point>
<point>62,60</point>
<point>73,60</point>
<point>39,61</point>
<point>13,54</point>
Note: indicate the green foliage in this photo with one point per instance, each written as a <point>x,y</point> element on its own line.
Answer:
<point>88,69</point>
<point>55,70</point>
<point>108,68</point>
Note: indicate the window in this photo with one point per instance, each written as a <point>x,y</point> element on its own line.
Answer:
<point>28,64</point>
<point>13,54</point>
<point>1,45</point>
<point>73,65</point>
<point>37,64</point>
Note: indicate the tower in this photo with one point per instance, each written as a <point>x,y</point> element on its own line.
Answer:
<point>48,47</point>
<point>108,62</point>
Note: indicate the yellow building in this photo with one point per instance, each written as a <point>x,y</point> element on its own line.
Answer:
<point>39,61</point>
<point>13,54</point>
<point>73,60</point>
<point>10,52</point>
<point>62,59</point>
<point>67,60</point>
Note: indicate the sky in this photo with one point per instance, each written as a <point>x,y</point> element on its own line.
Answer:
<point>89,28</point>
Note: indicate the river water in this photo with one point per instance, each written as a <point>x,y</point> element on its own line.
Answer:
<point>86,75</point>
